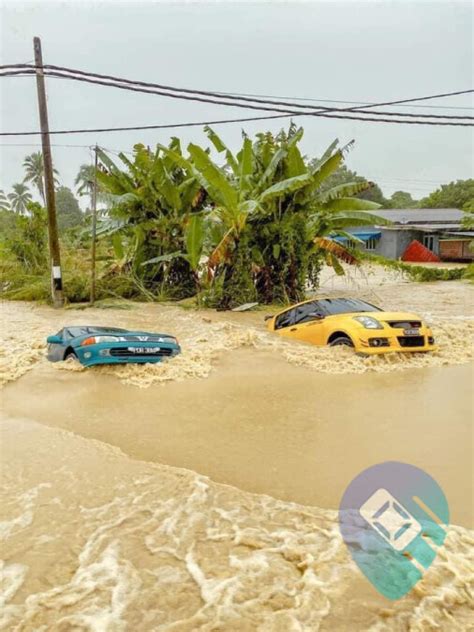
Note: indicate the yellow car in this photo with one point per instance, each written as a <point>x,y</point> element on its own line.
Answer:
<point>354,323</point>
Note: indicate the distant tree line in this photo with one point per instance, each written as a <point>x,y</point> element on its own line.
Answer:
<point>458,194</point>
<point>20,198</point>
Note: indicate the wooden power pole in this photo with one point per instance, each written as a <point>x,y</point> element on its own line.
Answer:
<point>55,259</point>
<point>94,227</point>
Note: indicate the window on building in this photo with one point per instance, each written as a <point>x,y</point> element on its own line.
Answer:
<point>371,244</point>
<point>429,242</point>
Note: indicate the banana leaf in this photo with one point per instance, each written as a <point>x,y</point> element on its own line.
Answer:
<point>285,187</point>
<point>272,167</point>
<point>194,240</point>
<point>350,204</point>
<point>213,177</point>
<point>220,147</point>
<point>332,247</point>
<point>346,190</point>
<point>327,166</point>
<point>163,258</point>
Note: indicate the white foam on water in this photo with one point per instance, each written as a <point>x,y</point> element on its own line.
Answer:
<point>26,503</point>
<point>158,548</point>
<point>206,339</point>
<point>12,577</point>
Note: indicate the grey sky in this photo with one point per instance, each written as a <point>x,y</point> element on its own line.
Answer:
<point>358,51</point>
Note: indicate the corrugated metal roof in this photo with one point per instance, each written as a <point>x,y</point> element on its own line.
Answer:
<point>421,215</point>
<point>424,227</point>
<point>463,234</point>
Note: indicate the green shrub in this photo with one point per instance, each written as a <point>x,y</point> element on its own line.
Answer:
<point>28,241</point>
<point>418,272</point>
<point>469,272</point>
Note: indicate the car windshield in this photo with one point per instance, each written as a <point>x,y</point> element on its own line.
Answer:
<point>74,332</point>
<point>332,306</point>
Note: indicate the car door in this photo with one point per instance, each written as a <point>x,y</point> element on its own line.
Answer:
<point>308,323</point>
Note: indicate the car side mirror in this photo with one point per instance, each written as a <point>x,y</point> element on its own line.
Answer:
<point>54,340</point>
<point>268,316</point>
<point>316,316</point>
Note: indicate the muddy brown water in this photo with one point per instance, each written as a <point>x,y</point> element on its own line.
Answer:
<point>163,497</point>
<point>267,427</point>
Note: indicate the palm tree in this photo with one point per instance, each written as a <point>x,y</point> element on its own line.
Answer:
<point>20,198</point>
<point>34,168</point>
<point>4,203</point>
<point>85,186</point>
<point>85,180</point>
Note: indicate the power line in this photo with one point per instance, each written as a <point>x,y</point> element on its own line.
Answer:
<point>229,95</point>
<point>240,97</point>
<point>215,97</point>
<point>185,97</point>
<point>261,97</point>
<point>225,121</point>
<point>309,99</point>
<point>363,104</point>
<point>324,112</point>
<point>263,106</point>
<point>39,145</point>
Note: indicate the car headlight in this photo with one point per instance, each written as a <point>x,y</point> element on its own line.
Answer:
<point>368,322</point>
<point>170,340</point>
<point>95,340</point>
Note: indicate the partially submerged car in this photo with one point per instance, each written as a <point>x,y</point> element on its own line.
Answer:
<point>353,323</point>
<point>109,345</point>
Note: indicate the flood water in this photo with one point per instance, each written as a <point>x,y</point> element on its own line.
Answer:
<point>163,497</point>
<point>267,427</point>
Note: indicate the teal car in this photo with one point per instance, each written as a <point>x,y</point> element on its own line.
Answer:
<point>93,345</point>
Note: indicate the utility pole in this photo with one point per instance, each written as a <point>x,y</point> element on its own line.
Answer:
<point>94,227</point>
<point>55,259</point>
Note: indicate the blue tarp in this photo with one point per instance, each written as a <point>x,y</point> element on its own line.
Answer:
<point>365,236</point>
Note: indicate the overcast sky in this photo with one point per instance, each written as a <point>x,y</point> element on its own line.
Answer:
<point>352,51</point>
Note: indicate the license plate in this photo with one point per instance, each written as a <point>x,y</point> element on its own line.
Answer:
<point>411,332</point>
<point>144,350</point>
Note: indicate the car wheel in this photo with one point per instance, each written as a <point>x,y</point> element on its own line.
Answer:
<point>341,341</point>
<point>70,355</point>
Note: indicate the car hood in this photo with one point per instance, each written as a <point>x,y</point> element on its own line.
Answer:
<point>386,316</point>
<point>152,334</point>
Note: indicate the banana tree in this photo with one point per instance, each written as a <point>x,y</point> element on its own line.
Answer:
<point>152,204</point>
<point>241,191</point>
<point>271,214</point>
<point>260,217</point>
<point>194,241</point>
